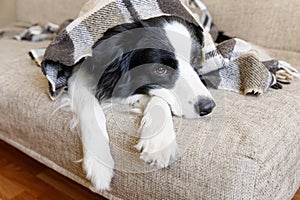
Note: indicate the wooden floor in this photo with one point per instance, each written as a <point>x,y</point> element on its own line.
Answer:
<point>297,195</point>
<point>22,178</point>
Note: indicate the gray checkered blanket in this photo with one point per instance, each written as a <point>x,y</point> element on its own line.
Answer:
<point>230,65</point>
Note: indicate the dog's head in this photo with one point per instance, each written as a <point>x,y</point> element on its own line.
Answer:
<point>156,57</point>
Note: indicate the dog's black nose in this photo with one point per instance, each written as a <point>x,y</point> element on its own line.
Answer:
<point>204,106</point>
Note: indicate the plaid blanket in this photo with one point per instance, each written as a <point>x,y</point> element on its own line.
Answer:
<point>230,65</point>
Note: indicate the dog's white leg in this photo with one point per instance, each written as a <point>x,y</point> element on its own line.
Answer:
<point>158,140</point>
<point>97,162</point>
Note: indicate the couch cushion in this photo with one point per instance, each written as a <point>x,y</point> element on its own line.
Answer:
<point>56,11</point>
<point>271,23</point>
<point>247,149</point>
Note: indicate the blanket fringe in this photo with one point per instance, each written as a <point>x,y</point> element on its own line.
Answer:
<point>253,91</point>
<point>286,72</point>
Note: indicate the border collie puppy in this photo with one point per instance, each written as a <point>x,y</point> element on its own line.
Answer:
<point>151,63</point>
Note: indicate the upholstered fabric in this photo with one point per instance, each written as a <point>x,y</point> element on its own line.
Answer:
<point>272,23</point>
<point>247,149</point>
<point>262,22</point>
<point>56,11</point>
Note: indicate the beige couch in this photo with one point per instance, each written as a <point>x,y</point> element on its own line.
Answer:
<point>249,148</point>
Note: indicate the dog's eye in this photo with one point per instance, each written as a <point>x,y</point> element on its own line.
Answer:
<point>161,70</point>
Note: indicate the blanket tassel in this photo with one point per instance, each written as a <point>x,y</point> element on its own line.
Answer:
<point>286,72</point>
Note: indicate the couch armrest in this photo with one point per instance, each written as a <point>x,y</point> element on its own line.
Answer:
<point>270,23</point>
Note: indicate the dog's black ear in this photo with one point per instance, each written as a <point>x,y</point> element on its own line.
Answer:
<point>115,42</point>
<point>110,79</point>
<point>111,56</point>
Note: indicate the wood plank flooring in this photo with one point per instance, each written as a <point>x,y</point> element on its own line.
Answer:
<point>297,195</point>
<point>23,178</point>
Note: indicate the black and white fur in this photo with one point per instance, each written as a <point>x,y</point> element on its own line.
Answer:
<point>150,63</point>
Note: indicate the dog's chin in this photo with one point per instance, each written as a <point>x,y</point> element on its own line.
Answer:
<point>188,114</point>
<point>191,116</point>
<point>184,109</point>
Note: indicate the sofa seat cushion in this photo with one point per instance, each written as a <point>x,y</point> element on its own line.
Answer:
<point>247,149</point>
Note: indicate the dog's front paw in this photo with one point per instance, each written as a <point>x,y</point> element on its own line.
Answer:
<point>158,150</point>
<point>98,173</point>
